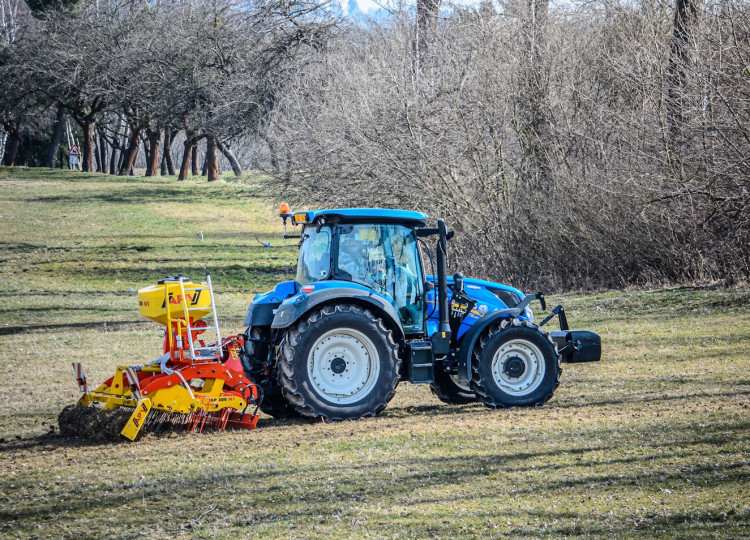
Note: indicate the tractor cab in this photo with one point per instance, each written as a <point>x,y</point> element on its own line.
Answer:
<point>361,247</point>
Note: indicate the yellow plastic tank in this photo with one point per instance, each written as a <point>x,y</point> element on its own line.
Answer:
<point>153,301</point>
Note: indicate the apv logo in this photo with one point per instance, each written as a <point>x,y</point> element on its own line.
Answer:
<point>139,417</point>
<point>177,298</point>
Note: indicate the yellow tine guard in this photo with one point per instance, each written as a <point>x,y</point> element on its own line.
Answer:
<point>136,420</point>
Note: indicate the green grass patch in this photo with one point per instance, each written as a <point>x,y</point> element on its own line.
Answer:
<point>652,442</point>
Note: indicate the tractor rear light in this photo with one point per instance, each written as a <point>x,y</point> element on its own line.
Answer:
<point>308,289</point>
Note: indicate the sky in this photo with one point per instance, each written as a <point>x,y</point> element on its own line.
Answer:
<point>365,6</point>
<point>368,7</point>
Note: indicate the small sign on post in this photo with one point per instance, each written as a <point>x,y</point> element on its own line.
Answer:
<point>74,157</point>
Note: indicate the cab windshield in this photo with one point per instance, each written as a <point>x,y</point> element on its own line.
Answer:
<point>314,255</point>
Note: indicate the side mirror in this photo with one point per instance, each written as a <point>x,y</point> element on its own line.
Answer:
<point>429,286</point>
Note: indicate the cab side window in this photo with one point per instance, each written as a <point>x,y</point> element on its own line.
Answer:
<point>314,255</point>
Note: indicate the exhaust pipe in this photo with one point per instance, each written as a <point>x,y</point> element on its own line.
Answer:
<point>442,338</point>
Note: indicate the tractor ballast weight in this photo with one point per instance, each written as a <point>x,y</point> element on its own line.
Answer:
<point>362,315</point>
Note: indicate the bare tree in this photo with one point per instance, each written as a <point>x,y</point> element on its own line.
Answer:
<point>70,62</point>
<point>585,145</point>
<point>11,20</point>
<point>543,137</point>
<point>233,162</point>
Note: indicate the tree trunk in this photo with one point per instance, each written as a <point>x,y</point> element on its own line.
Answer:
<point>113,161</point>
<point>131,170</point>
<point>289,163</point>
<point>103,153</point>
<point>187,156</point>
<point>236,169</point>
<point>427,14</point>
<point>56,138</point>
<point>686,15</point>
<point>212,159</point>
<point>131,152</point>
<point>533,101</point>
<point>154,139</point>
<point>194,158</point>
<point>169,135</point>
<point>147,150</point>
<point>11,149</point>
<point>87,157</point>
<point>97,158</point>
<point>273,150</point>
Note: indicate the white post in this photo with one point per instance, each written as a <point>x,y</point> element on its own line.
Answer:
<point>68,132</point>
<point>3,138</point>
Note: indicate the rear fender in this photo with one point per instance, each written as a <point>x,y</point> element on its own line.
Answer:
<point>297,306</point>
<point>262,308</point>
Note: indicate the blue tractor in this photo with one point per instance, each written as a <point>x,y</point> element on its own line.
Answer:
<point>364,314</point>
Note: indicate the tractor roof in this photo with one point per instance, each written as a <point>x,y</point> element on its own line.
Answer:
<point>363,215</point>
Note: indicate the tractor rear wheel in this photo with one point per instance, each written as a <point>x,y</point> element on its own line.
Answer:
<point>339,363</point>
<point>449,390</point>
<point>515,365</point>
<point>275,404</point>
<point>254,358</point>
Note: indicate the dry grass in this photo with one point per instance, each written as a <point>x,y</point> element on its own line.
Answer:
<point>653,441</point>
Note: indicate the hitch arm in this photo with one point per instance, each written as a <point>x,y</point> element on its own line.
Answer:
<point>570,347</point>
<point>527,300</point>
<point>560,312</point>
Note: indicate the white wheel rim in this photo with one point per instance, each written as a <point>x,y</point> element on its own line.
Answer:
<point>343,366</point>
<point>464,387</point>
<point>518,367</point>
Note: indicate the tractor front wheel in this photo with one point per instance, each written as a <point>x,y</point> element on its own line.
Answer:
<point>339,363</point>
<point>515,366</point>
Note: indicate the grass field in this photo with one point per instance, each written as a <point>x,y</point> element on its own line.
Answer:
<point>654,441</point>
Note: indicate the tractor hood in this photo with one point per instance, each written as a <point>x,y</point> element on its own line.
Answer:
<point>489,296</point>
<point>476,288</point>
